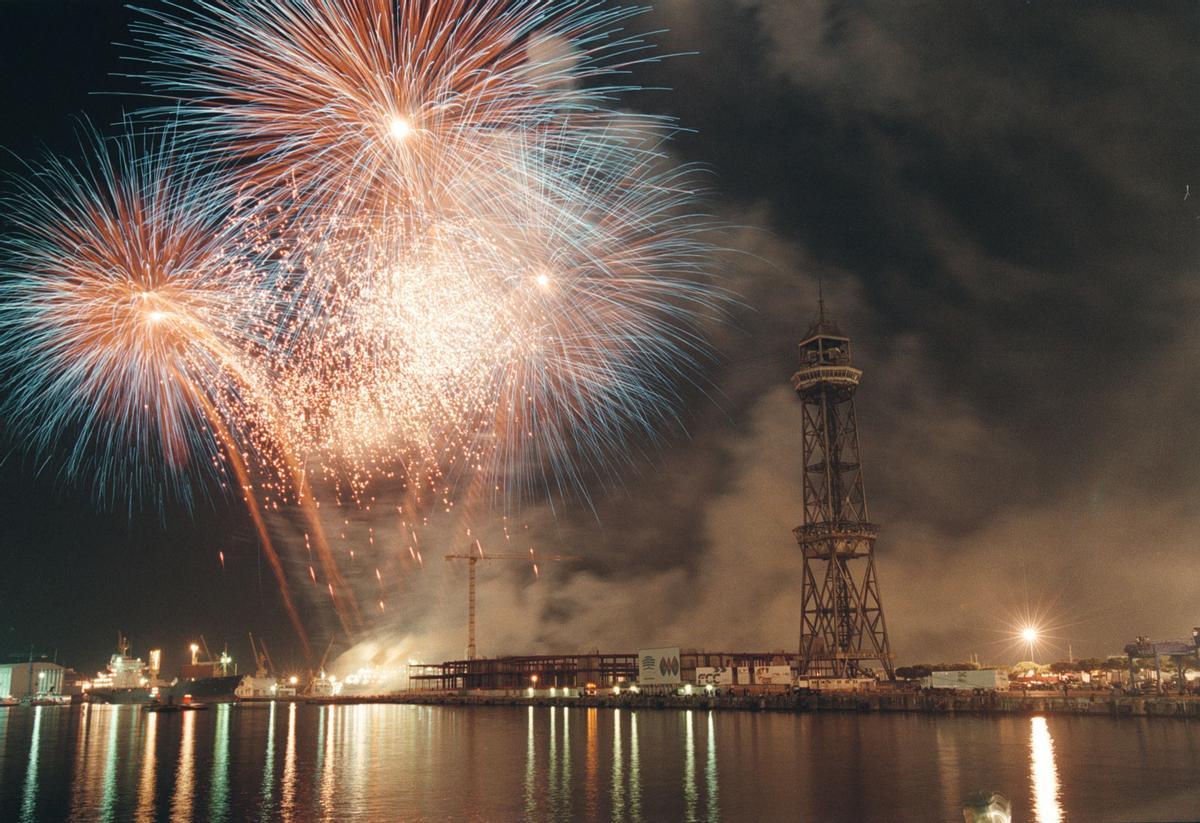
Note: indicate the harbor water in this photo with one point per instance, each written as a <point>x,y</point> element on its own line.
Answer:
<point>292,761</point>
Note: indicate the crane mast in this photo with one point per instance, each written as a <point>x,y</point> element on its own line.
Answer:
<point>474,555</point>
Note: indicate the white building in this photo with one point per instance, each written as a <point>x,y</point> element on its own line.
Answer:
<point>30,679</point>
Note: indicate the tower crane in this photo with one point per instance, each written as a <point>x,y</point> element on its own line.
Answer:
<point>473,556</point>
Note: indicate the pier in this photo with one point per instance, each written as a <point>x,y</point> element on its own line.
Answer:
<point>1096,704</point>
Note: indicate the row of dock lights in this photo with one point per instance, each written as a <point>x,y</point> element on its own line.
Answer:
<point>590,688</point>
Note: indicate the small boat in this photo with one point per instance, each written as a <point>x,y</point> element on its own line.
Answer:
<point>50,700</point>
<point>195,707</point>
<point>163,707</point>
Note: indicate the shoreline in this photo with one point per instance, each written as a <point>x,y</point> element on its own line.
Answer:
<point>997,703</point>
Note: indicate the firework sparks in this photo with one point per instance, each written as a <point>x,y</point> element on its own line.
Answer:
<point>126,325</point>
<point>442,254</point>
<point>344,103</point>
<point>499,268</point>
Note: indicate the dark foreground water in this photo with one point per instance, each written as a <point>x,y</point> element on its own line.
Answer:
<point>296,762</point>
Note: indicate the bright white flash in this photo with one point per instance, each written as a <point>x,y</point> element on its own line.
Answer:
<point>399,127</point>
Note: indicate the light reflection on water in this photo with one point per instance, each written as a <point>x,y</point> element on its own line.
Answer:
<point>80,783</point>
<point>689,768</point>
<point>27,803</point>
<point>564,773</point>
<point>618,780</point>
<point>329,717</point>
<point>298,762</point>
<point>552,761</point>
<point>635,781</point>
<point>109,801</point>
<point>591,781</point>
<point>710,773</point>
<point>145,808</point>
<point>268,778</point>
<point>530,766</point>
<point>181,802</point>
<point>288,805</point>
<point>947,762</point>
<point>1043,772</point>
<point>219,802</point>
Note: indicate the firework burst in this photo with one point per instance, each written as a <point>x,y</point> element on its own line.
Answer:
<point>499,268</point>
<point>433,247</point>
<point>128,326</point>
<point>521,345</point>
<point>125,320</point>
<point>337,105</point>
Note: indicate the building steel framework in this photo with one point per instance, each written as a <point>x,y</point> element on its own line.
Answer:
<point>842,628</point>
<point>602,670</point>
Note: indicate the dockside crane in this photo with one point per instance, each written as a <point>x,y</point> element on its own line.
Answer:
<point>324,657</point>
<point>1177,650</point>
<point>262,658</point>
<point>474,555</point>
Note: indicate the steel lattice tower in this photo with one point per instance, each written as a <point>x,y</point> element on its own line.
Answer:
<point>841,623</point>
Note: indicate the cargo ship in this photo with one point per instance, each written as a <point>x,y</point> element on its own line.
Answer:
<point>213,689</point>
<point>127,679</point>
<point>209,681</point>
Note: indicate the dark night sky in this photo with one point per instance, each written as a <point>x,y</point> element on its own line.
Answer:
<point>997,198</point>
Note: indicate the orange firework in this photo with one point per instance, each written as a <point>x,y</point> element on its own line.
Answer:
<point>127,323</point>
<point>338,103</point>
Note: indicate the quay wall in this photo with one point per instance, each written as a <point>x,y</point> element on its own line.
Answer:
<point>924,702</point>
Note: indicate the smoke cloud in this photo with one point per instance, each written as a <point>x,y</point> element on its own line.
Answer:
<point>998,202</point>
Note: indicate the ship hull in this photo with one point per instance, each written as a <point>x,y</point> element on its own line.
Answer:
<point>210,689</point>
<point>119,697</point>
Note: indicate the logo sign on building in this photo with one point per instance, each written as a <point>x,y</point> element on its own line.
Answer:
<point>710,676</point>
<point>773,675</point>
<point>659,667</point>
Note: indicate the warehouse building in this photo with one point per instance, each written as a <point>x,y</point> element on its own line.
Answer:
<point>23,680</point>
